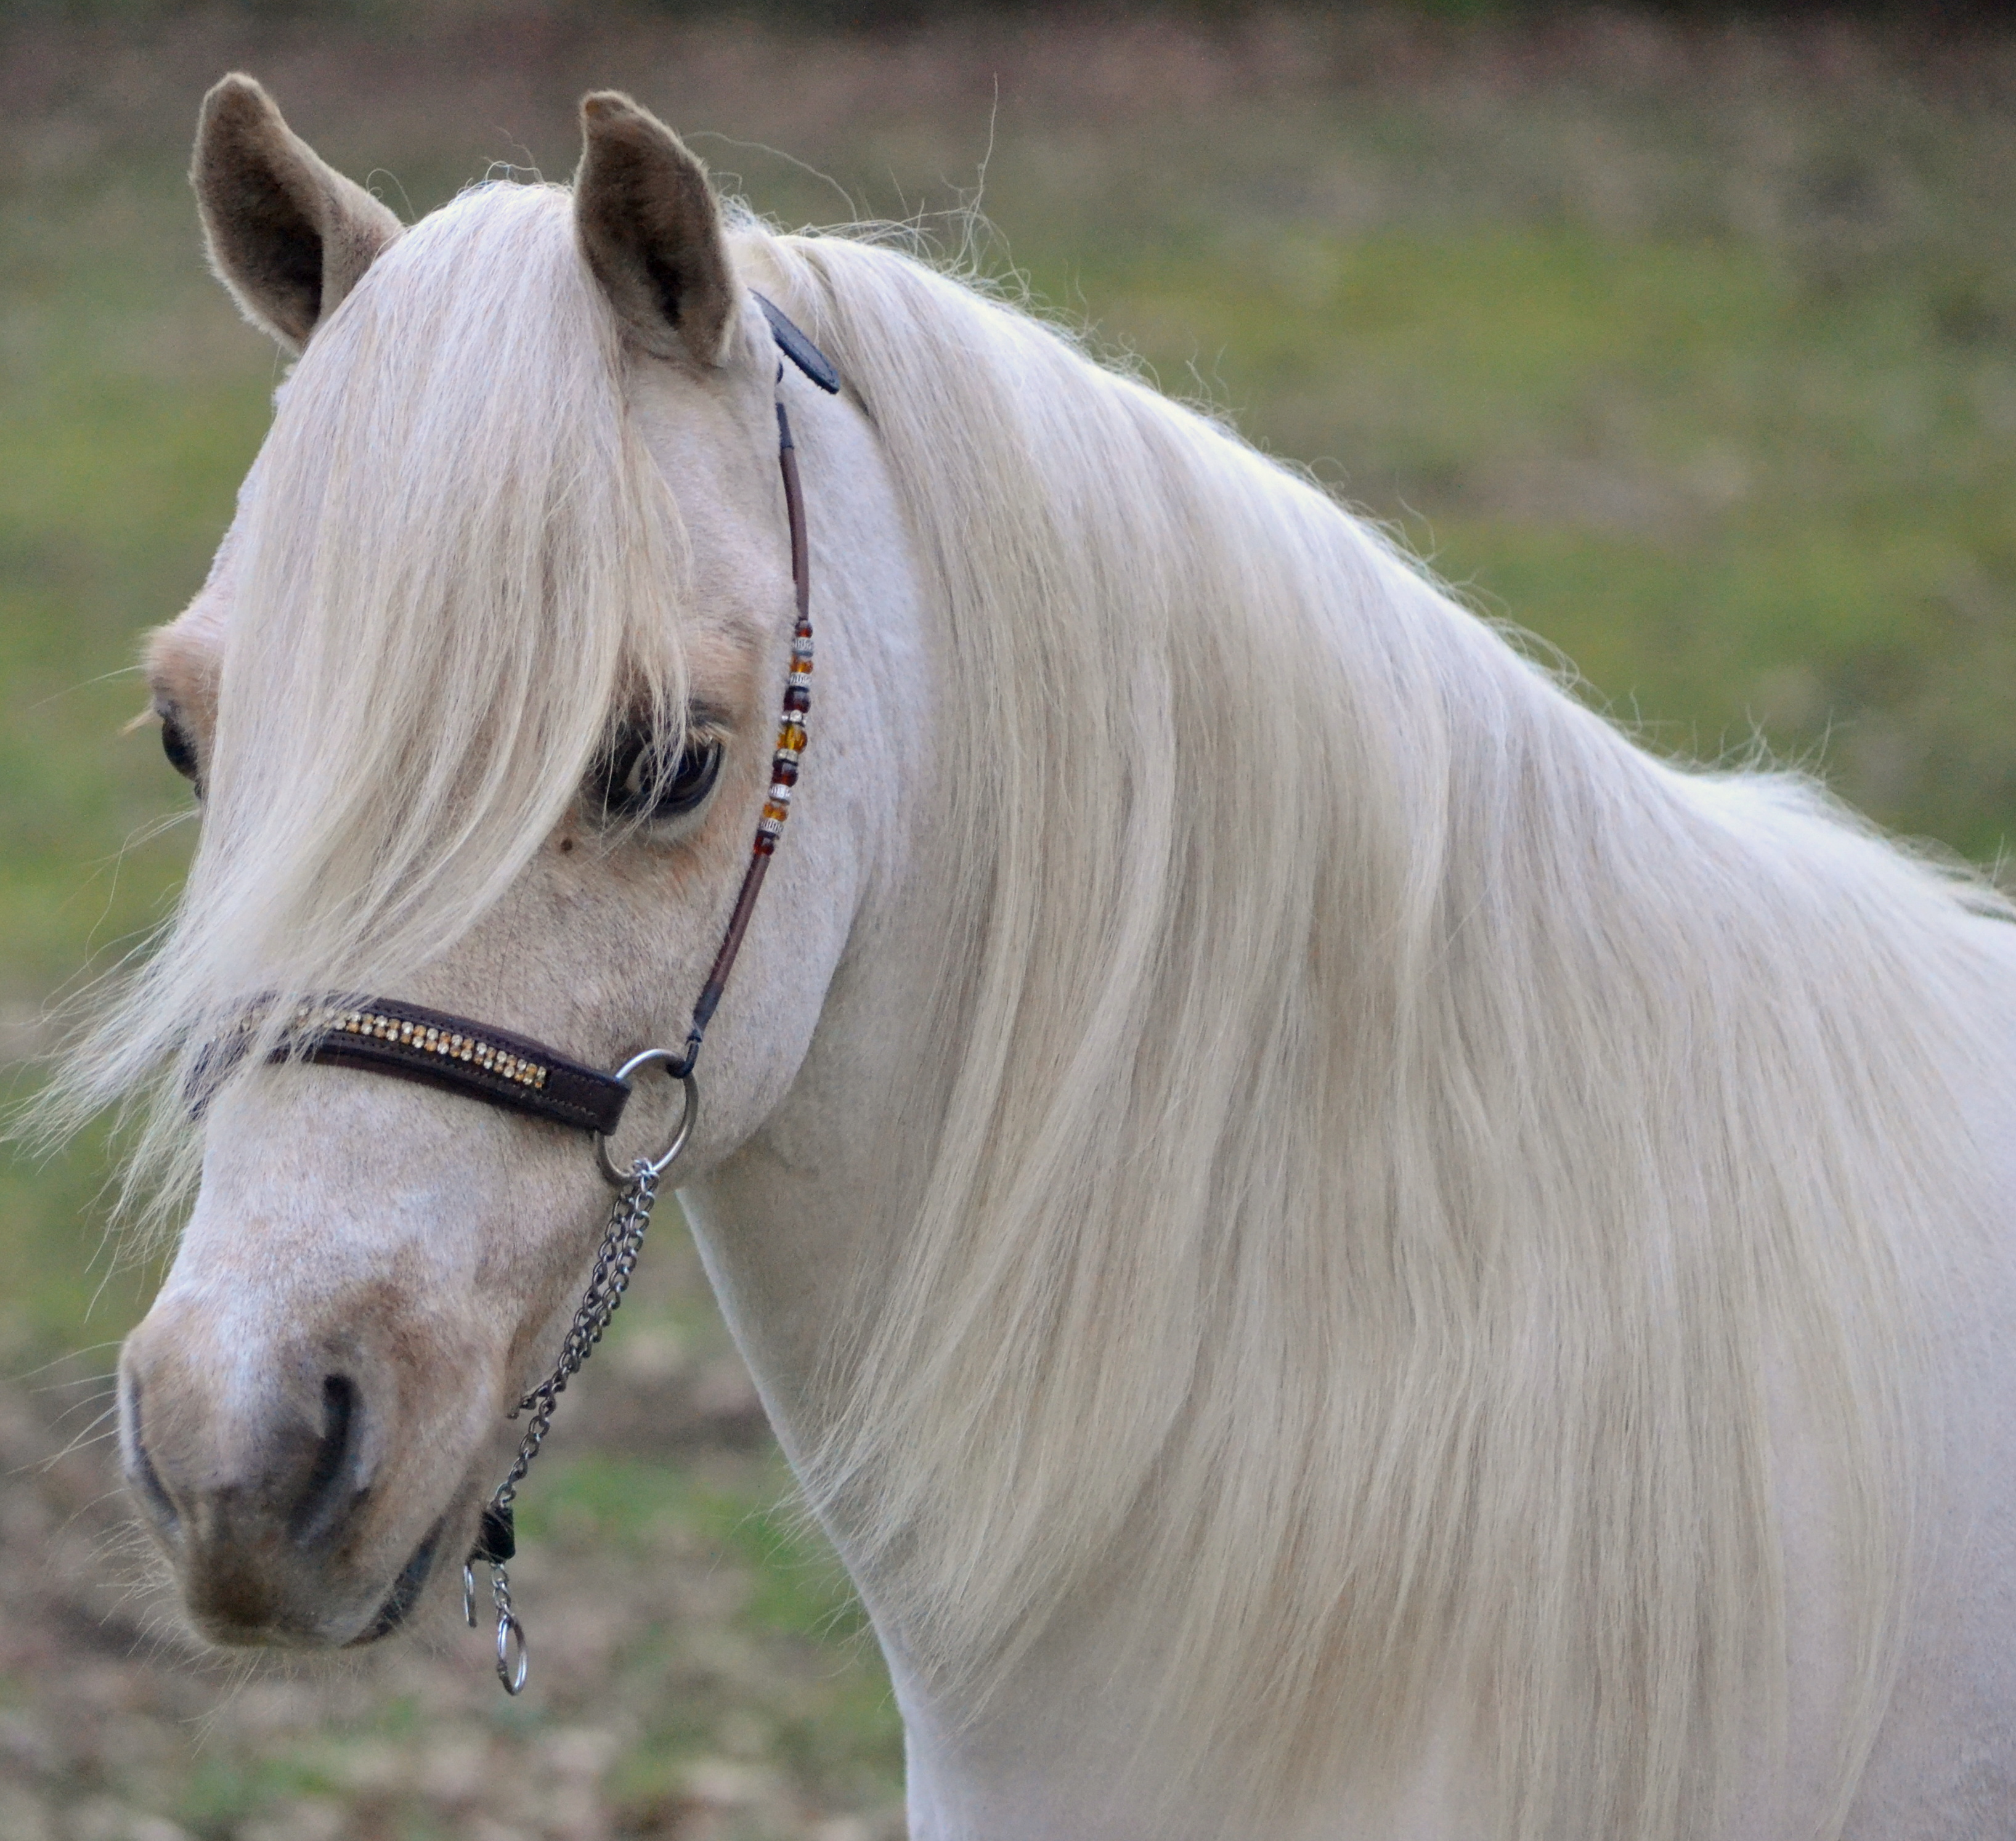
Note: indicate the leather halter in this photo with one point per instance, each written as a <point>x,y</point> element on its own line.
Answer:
<point>412,1042</point>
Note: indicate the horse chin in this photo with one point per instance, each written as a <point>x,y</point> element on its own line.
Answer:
<point>244,1598</point>
<point>227,1615</point>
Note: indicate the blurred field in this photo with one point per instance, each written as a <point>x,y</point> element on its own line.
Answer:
<point>1691,349</point>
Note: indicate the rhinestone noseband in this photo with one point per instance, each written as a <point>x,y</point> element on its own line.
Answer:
<point>412,1042</point>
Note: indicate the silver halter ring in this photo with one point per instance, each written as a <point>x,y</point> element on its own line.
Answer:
<point>689,1114</point>
<point>514,1654</point>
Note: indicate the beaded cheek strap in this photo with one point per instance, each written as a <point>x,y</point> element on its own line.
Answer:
<point>410,1042</point>
<point>798,687</point>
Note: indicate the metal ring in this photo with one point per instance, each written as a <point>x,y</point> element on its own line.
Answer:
<point>468,1593</point>
<point>689,1115</point>
<point>510,1639</point>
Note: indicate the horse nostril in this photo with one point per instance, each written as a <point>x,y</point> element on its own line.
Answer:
<point>326,1490</point>
<point>140,1467</point>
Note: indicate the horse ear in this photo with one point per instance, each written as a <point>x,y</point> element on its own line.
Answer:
<point>287,234</point>
<point>651,231</point>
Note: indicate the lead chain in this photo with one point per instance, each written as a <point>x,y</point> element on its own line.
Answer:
<point>496,1540</point>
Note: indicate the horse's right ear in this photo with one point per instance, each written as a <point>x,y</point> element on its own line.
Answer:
<point>651,230</point>
<point>289,234</point>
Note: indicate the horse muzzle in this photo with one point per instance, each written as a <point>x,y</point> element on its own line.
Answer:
<point>267,1476</point>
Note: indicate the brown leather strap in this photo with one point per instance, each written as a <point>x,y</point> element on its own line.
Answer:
<point>759,859</point>
<point>412,1042</point>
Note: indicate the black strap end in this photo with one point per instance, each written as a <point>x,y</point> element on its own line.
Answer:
<point>800,350</point>
<point>496,1539</point>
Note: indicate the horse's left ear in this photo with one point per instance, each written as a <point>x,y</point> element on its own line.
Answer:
<point>651,230</point>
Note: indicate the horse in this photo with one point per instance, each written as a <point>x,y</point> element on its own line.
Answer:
<point>1340,1250</point>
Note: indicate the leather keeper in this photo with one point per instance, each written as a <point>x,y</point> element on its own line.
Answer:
<point>460,1057</point>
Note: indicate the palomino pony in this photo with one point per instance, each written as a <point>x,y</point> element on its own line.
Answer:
<point>1341,1252</point>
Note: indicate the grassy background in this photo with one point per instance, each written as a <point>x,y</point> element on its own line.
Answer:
<point>1689,347</point>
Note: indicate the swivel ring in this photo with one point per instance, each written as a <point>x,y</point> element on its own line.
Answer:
<point>689,1114</point>
<point>512,1654</point>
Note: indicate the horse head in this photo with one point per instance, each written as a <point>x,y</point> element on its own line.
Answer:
<point>481,697</point>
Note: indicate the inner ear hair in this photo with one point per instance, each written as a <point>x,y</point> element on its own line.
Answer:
<point>287,234</point>
<point>650,231</point>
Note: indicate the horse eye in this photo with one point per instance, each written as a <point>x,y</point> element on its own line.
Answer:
<point>630,782</point>
<point>175,744</point>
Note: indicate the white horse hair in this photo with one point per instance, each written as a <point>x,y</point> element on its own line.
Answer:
<point>1393,1157</point>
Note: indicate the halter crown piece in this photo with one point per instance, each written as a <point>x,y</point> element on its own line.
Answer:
<point>410,1043</point>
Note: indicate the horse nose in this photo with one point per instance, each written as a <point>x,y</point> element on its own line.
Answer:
<point>255,1486</point>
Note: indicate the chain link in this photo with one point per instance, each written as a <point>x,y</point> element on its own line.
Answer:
<point>615,1261</point>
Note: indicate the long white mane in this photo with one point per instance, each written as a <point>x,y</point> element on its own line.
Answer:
<point>1397,1128</point>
